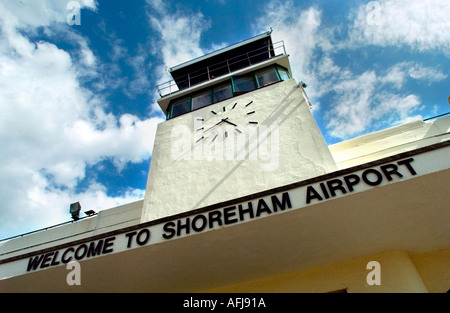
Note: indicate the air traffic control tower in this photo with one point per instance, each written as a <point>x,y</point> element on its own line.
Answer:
<point>244,195</point>
<point>238,124</point>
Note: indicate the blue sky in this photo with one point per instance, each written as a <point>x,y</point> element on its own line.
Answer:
<point>78,102</point>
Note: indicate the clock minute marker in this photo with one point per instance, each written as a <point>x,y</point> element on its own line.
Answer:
<point>200,139</point>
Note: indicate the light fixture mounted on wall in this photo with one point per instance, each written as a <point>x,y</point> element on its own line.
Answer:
<point>75,209</point>
<point>90,212</point>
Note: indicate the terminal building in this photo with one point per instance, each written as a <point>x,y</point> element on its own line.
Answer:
<point>244,195</point>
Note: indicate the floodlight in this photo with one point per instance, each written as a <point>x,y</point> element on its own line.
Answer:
<point>89,213</point>
<point>75,209</point>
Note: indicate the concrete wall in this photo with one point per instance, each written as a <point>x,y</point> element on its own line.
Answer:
<point>288,148</point>
<point>390,141</point>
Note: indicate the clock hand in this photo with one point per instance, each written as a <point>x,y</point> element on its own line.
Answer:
<point>230,123</point>
<point>223,120</point>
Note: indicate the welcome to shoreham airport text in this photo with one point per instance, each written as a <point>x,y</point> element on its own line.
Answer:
<point>294,198</point>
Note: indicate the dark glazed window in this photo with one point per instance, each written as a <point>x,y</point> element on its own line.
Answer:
<point>201,99</point>
<point>284,75</point>
<point>225,90</point>
<point>243,84</point>
<point>180,107</point>
<point>267,77</point>
<point>222,92</point>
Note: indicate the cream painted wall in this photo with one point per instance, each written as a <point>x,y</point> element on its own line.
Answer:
<point>434,268</point>
<point>183,178</point>
<point>390,141</point>
<point>397,274</point>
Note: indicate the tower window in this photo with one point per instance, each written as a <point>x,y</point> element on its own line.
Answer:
<point>237,85</point>
<point>180,106</point>
<point>267,77</point>
<point>222,92</point>
<point>243,84</point>
<point>201,99</point>
<point>284,75</point>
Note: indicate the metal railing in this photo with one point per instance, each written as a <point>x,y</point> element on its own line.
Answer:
<point>46,228</point>
<point>224,67</point>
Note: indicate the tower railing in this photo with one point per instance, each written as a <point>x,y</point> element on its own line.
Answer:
<point>224,67</point>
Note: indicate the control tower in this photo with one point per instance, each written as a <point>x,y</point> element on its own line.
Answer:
<point>237,123</point>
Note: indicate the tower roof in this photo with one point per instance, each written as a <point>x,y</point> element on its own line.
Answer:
<point>223,61</point>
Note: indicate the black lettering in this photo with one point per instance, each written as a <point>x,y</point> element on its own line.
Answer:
<point>248,211</point>
<point>181,226</point>
<point>107,248</point>
<point>215,216</point>
<point>351,180</point>
<point>83,248</point>
<point>55,259</point>
<point>285,201</point>
<point>169,230</point>
<point>204,222</point>
<point>408,165</point>
<point>389,170</point>
<point>47,259</point>
<point>228,213</point>
<point>311,193</point>
<point>139,239</point>
<point>33,263</point>
<point>368,181</point>
<point>93,249</point>
<point>335,184</point>
<point>324,190</point>
<point>63,257</point>
<point>130,237</point>
<point>262,207</point>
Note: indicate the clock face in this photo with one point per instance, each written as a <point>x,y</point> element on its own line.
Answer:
<point>225,121</point>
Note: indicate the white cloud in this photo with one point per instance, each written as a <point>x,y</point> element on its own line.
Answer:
<point>421,25</point>
<point>178,40</point>
<point>426,73</point>
<point>359,104</point>
<point>351,102</point>
<point>180,34</point>
<point>398,74</point>
<point>43,12</point>
<point>299,29</point>
<point>51,128</point>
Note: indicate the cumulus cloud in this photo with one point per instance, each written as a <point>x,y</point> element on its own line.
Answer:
<point>178,40</point>
<point>359,104</point>
<point>417,24</point>
<point>354,102</point>
<point>299,29</point>
<point>51,127</point>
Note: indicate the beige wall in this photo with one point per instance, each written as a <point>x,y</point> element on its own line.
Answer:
<point>399,272</point>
